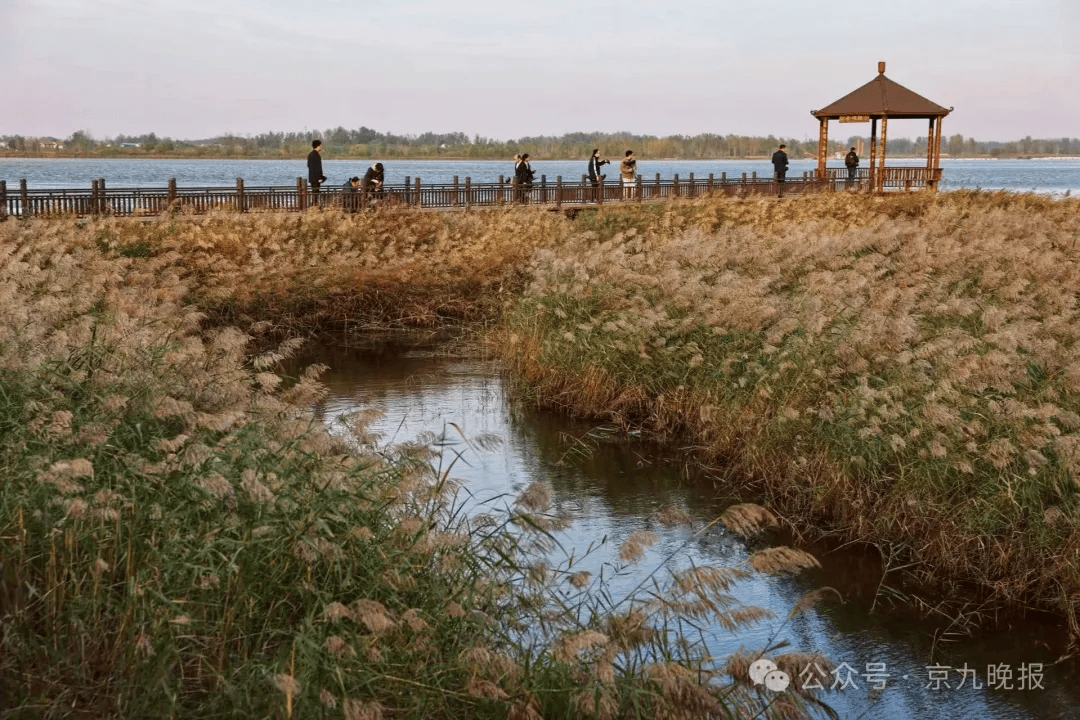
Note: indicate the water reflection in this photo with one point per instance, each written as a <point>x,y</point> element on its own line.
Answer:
<point>611,487</point>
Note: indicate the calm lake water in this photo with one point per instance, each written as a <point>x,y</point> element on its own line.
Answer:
<point>610,491</point>
<point>1057,176</point>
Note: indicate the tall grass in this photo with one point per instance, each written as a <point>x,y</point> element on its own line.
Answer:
<point>902,371</point>
<point>337,270</point>
<point>178,538</point>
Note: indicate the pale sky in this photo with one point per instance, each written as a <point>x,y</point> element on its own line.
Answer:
<point>198,68</point>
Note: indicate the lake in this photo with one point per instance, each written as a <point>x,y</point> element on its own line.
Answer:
<point>1057,176</point>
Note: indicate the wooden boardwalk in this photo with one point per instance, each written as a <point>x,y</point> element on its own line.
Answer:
<point>100,199</point>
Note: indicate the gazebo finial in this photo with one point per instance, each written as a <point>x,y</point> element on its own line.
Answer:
<point>881,67</point>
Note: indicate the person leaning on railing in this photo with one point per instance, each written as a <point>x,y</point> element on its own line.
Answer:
<point>350,194</point>
<point>373,181</point>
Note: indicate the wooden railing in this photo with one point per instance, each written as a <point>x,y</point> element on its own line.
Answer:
<point>891,178</point>
<point>147,202</point>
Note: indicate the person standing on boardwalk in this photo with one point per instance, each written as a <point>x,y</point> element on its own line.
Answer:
<point>523,177</point>
<point>373,180</point>
<point>594,169</point>
<point>780,163</point>
<point>851,161</point>
<point>314,167</point>
<point>628,171</point>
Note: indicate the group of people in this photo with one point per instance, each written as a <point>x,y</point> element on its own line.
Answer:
<point>371,184</point>
<point>627,171</point>
<point>523,177</point>
<point>780,164</point>
<point>524,174</point>
<point>372,181</point>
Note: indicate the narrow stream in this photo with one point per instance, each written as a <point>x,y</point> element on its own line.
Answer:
<point>611,485</point>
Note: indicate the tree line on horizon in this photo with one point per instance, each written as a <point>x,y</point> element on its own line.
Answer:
<point>365,142</point>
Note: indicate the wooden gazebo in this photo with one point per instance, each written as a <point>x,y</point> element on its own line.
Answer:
<point>882,99</point>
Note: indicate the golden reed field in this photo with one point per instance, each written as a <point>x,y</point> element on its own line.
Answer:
<point>902,372</point>
<point>178,537</point>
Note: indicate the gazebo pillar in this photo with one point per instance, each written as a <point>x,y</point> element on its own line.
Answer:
<point>822,147</point>
<point>873,154</point>
<point>930,137</point>
<point>937,153</point>
<point>880,187</point>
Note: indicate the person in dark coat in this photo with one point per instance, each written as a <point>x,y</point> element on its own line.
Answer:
<point>523,177</point>
<point>594,166</point>
<point>595,162</point>
<point>314,166</point>
<point>349,194</point>
<point>780,163</point>
<point>851,161</point>
<point>373,180</point>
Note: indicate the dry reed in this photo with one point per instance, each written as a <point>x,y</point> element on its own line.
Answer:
<point>178,537</point>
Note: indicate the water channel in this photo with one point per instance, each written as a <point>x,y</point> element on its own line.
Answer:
<point>611,485</point>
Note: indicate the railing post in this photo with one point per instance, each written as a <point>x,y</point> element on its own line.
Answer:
<point>408,186</point>
<point>675,185</point>
<point>691,184</point>
<point>558,192</point>
<point>240,204</point>
<point>600,190</point>
<point>101,196</point>
<point>723,177</point>
<point>172,193</point>
<point>3,200</point>
<point>457,191</point>
<point>95,202</point>
<point>25,197</point>
<point>301,194</point>
<point>419,196</point>
<point>637,187</point>
<point>711,183</point>
<point>502,190</point>
<point>468,193</point>
<point>543,190</point>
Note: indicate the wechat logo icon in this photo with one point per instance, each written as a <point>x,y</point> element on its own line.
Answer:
<point>764,672</point>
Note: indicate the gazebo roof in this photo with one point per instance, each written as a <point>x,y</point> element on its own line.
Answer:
<point>882,96</point>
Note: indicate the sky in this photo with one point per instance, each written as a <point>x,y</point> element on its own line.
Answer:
<point>192,69</point>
